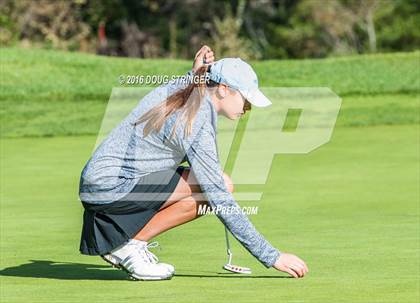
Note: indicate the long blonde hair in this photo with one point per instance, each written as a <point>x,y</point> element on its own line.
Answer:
<point>188,100</point>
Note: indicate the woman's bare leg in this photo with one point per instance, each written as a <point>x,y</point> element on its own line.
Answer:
<point>176,212</point>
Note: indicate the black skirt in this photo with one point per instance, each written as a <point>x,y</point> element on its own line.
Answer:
<point>107,226</point>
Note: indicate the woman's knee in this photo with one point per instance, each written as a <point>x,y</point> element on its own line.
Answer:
<point>193,207</point>
<point>187,205</point>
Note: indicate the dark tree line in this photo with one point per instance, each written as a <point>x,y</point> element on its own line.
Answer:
<point>257,29</point>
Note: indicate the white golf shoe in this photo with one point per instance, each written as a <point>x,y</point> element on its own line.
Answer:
<point>139,267</point>
<point>135,258</point>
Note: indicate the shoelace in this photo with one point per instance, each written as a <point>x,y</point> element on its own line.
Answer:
<point>144,250</point>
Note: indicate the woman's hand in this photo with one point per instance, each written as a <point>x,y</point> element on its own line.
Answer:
<point>291,264</point>
<point>204,56</point>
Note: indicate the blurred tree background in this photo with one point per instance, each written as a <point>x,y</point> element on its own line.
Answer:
<point>251,29</point>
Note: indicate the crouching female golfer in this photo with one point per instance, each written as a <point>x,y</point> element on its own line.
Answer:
<point>133,187</point>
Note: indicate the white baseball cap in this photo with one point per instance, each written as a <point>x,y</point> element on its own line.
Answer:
<point>239,75</point>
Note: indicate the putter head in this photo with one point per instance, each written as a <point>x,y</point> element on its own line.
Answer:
<point>237,269</point>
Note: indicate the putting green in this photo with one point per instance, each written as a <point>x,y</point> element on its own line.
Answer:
<point>350,209</point>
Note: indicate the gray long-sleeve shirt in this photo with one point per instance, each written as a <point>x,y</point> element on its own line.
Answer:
<point>125,156</point>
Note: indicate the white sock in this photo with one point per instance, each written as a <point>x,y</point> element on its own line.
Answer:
<point>124,250</point>
<point>135,241</point>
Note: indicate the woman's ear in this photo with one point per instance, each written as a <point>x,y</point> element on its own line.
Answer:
<point>222,91</point>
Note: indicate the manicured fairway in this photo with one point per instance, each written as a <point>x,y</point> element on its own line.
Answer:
<point>350,209</point>
<point>69,94</point>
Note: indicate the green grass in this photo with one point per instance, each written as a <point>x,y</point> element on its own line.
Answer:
<point>350,209</point>
<point>47,93</point>
<point>39,118</point>
<point>56,75</point>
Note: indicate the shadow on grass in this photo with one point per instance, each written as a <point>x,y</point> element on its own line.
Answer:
<point>64,271</point>
<point>81,271</point>
<point>229,275</point>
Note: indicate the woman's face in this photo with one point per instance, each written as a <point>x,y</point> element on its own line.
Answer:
<point>230,102</point>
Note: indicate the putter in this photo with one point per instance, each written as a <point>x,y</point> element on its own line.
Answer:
<point>229,266</point>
